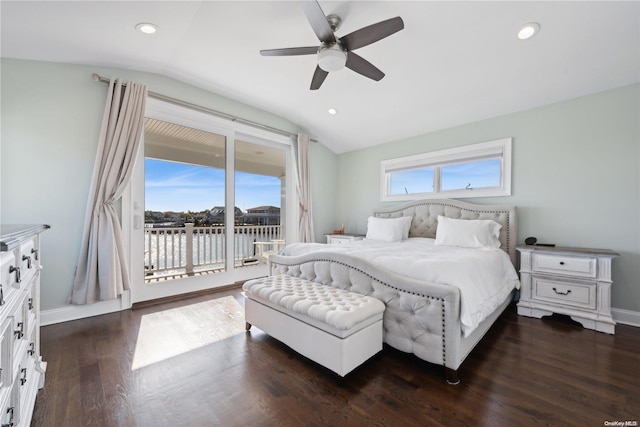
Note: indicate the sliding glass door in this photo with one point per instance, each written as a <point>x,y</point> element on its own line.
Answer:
<point>207,202</point>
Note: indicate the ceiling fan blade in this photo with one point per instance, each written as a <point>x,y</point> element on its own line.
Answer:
<point>318,78</point>
<point>364,67</point>
<point>288,51</point>
<point>318,21</point>
<point>371,34</point>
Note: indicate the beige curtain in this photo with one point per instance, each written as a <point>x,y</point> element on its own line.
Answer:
<point>102,272</point>
<point>306,232</point>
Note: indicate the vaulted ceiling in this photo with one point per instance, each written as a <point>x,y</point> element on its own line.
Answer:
<point>454,62</point>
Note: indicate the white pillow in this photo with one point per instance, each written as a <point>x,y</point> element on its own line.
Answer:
<point>468,233</point>
<point>388,229</point>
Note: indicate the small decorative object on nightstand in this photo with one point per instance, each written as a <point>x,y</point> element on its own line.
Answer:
<point>336,239</point>
<point>572,281</point>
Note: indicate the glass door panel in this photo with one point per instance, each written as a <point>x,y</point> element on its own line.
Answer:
<point>260,193</point>
<point>184,229</point>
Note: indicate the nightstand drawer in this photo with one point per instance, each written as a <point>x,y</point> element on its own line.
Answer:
<point>338,240</point>
<point>567,265</point>
<point>581,295</point>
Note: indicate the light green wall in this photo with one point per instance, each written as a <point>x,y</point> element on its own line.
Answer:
<point>51,117</point>
<point>324,190</point>
<point>576,176</point>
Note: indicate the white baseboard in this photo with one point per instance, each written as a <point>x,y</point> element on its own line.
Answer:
<point>75,312</point>
<point>626,317</point>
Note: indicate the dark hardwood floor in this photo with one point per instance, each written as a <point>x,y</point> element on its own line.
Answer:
<point>190,363</point>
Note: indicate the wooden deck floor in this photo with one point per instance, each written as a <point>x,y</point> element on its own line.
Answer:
<point>190,363</point>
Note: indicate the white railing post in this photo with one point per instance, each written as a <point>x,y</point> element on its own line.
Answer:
<point>189,237</point>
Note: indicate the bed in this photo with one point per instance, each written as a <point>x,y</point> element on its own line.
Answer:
<point>429,311</point>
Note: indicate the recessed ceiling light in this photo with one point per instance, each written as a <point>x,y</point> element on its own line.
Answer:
<point>332,111</point>
<point>147,28</point>
<point>528,30</point>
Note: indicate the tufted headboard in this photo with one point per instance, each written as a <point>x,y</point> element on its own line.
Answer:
<point>425,218</point>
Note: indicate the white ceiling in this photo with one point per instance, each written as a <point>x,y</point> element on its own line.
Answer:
<point>455,62</point>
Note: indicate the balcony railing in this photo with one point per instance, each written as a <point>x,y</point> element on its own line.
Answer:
<point>188,250</point>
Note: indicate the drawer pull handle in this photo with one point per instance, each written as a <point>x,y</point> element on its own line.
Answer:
<point>17,270</point>
<point>562,293</point>
<point>35,253</point>
<point>24,376</point>
<point>10,423</point>
<point>28,259</point>
<point>30,303</point>
<point>20,331</point>
<point>32,349</point>
<point>1,296</point>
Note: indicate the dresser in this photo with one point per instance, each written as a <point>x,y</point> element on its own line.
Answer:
<point>572,281</point>
<point>336,239</point>
<point>21,366</point>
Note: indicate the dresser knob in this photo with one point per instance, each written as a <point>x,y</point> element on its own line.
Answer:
<point>561,262</point>
<point>28,259</point>
<point>24,376</point>
<point>19,333</point>
<point>10,423</point>
<point>17,271</point>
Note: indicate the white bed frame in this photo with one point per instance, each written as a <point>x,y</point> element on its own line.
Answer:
<point>420,317</point>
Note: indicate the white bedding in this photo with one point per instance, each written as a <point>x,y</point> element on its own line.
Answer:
<point>485,277</point>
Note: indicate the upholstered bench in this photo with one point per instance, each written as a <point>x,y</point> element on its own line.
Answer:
<point>336,328</point>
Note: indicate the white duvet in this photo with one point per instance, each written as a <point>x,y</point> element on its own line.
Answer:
<point>485,277</point>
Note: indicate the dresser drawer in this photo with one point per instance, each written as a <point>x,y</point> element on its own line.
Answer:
<point>580,295</point>
<point>565,265</point>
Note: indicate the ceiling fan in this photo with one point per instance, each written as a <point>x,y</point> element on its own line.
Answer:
<point>336,53</point>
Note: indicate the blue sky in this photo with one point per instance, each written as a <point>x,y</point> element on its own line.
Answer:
<point>171,186</point>
<point>480,174</point>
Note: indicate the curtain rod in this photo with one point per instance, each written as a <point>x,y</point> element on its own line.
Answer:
<point>202,109</point>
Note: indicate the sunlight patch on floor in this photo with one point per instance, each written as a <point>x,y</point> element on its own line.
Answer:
<point>170,333</point>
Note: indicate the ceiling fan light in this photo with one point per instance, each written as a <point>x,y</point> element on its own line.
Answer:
<point>332,59</point>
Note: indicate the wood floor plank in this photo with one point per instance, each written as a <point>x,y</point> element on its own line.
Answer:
<point>191,363</point>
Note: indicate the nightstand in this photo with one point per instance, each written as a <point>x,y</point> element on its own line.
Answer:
<point>572,281</point>
<point>336,239</point>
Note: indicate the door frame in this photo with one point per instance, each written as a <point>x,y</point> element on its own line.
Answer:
<point>133,203</point>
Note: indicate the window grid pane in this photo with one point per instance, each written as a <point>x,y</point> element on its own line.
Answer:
<point>412,181</point>
<point>471,175</point>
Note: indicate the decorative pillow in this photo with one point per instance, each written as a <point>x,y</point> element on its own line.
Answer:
<point>468,233</point>
<point>388,229</point>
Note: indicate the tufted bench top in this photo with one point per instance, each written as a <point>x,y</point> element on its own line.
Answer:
<point>341,310</point>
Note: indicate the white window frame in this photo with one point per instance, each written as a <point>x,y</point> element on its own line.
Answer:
<point>500,148</point>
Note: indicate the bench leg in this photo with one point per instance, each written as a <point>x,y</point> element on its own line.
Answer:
<point>247,326</point>
<point>451,375</point>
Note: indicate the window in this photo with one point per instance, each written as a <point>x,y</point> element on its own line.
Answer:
<point>478,170</point>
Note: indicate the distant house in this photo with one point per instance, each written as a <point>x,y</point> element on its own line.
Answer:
<point>263,215</point>
<point>216,215</point>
